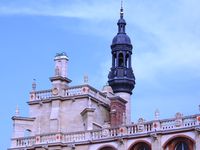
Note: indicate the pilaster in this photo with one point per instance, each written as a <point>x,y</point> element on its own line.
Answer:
<point>88,117</point>
<point>55,116</point>
<point>156,141</point>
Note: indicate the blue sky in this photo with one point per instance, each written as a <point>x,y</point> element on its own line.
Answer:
<point>166,56</point>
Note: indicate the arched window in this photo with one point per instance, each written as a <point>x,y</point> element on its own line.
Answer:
<point>121,60</point>
<point>127,61</point>
<point>27,133</point>
<point>179,143</point>
<point>121,28</point>
<point>140,146</point>
<point>115,60</point>
<point>181,146</point>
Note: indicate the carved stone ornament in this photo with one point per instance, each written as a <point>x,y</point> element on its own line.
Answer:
<point>32,96</point>
<point>105,132</point>
<point>121,130</point>
<point>178,122</point>
<point>140,125</point>
<point>55,91</point>
<point>140,120</point>
<point>154,136</point>
<point>198,118</point>
<point>197,129</point>
<point>121,141</point>
<point>155,125</point>
<point>140,128</point>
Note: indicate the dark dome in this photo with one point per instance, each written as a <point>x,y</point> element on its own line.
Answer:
<point>121,38</point>
<point>121,21</point>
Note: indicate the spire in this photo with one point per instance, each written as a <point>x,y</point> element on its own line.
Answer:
<point>121,22</point>
<point>121,76</point>
<point>121,10</point>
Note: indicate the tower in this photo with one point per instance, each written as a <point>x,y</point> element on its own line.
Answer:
<point>121,77</point>
<point>59,80</point>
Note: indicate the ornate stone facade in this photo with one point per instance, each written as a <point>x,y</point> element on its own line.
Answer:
<point>81,117</point>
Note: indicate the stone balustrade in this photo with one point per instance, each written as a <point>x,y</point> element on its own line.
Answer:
<point>141,128</point>
<point>72,137</point>
<point>48,138</point>
<point>71,91</point>
<point>40,95</point>
<point>24,142</point>
<point>181,122</point>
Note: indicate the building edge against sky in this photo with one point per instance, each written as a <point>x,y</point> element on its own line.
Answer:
<point>82,117</point>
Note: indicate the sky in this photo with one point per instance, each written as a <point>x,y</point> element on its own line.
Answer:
<point>166,51</point>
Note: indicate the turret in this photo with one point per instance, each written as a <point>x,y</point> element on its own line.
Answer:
<point>121,77</point>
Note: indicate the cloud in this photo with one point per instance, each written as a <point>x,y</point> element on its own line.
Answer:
<point>166,35</point>
<point>78,9</point>
<point>175,30</point>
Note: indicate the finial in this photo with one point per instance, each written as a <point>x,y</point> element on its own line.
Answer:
<point>85,79</point>
<point>17,111</point>
<point>157,114</point>
<point>121,10</point>
<point>34,85</point>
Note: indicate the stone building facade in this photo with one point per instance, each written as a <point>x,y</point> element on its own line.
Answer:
<point>81,117</point>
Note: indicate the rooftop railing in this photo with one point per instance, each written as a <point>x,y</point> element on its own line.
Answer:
<point>141,128</point>
<point>71,91</point>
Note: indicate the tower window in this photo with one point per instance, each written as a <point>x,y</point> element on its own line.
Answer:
<point>115,60</point>
<point>121,60</point>
<point>127,61</point>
